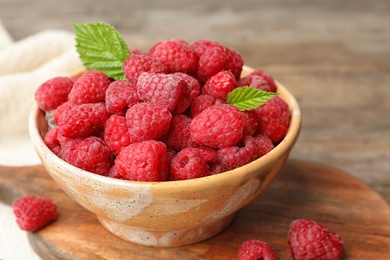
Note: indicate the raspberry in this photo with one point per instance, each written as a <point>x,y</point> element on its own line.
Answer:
<point>189,164</point>
<point>234,156</point>
<point>266,77</point>
<point>178,136</point>
<point>53,93</point>
<point>143,161</point>
<point>82,120</point>
<point>60,109</point>
<point>274,118</point>
<point>33,213</point>
<point>120,95</point>
<point>217,126</point>
<point>200,103</point>
<point>116,133</point>
<point>89,88</point>
<point>51,141</point>
<point>257,82</point>
<point>136,64</point>
<point>113,173</point>
<point>163,89</point>
<point>176,55</point>
<point>310,240</point>
<point>90,154</point>
<point>254,250</point>
<point>212,58</point>
<point>219,85</point>
<point>250,122</point>
<point>234,62</point>
<point>189,93</point>
<point>147,121</point>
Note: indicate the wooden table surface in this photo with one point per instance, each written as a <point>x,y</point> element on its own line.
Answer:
<point>334,56</point>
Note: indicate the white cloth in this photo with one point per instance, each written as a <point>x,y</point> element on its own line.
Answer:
<point>24,65</point>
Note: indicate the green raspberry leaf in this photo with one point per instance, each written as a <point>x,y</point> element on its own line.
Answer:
<point>248,98</point>
<point>101,48</point>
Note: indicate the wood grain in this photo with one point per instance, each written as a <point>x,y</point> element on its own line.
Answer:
<point>301,190</point>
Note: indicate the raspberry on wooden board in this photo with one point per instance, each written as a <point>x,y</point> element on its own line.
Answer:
<point>33,213</point>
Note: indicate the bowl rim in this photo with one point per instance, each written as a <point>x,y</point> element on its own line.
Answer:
<point>284,146</point>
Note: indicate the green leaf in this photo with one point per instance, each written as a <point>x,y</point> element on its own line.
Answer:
<point>101,48</point>
<point>248,98</point>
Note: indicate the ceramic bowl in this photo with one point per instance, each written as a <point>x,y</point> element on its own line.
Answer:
<point>171,213</point>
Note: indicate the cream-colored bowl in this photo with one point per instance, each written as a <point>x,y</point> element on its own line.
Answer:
<point>172,213</point>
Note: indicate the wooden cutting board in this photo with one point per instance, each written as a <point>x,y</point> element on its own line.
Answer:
<point>301,190</point>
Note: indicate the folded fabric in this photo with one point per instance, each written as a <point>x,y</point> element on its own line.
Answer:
<point>24,65</point>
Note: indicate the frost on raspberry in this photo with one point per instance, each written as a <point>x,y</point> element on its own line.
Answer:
<point>143,161</point>
<point>33,213</point>
<point>310,240</point>
<point>89,88</point>
<point>53,93</point>
<point>217,126</point>
<point>147,121</point>
<point>254,250</point>
<point>90,154</point>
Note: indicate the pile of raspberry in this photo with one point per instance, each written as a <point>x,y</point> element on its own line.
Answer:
<point>168,120</point>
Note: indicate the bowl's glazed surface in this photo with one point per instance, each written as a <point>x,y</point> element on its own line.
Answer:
<point>171,213</point>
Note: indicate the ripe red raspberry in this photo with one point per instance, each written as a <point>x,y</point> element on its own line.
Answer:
<point>257,82</point>
<point>202,102</point>
<point>116,133</point>
<point>89,88</point>
<point>90,154</point>
<point>270,80</point>
<point>60,109</point>
<point>189,93</point>
<point>274,118</point>
<point>234,62</point>
<point>119,96</point>
<point>113,173</point>
<point>147,121</point>
<point>136,64</point>
<point>217,126</point>
<point>189,163</point>
<point>250,122</point>
<point>143,161</point>
<point>163,89</point>
<point>178,136</point>
<point>212,58</point>
<point>310,240</point>
<point>33,213</point>
<point>219,85</point>
<point>51,141</point>
<point>82,120</point>
<point>176,55</point>
<point>235,156</point>
<point>53,93</point>
<point>254,250</point>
